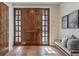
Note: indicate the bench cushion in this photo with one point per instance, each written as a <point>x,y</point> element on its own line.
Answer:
<point>73,44</point>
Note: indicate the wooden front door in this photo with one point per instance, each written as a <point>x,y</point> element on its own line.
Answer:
<point>31,27</point>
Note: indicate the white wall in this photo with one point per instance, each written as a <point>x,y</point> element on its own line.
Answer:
<point>11,24</point>
<point>53,18</point>
<point>54,22</point>
<point>65,9</point>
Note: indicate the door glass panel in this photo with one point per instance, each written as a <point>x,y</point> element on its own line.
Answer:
<point>43,33</point>
<point>46,22</point>
<point>19,28</point>
<point>17,23</point>
<point>43,23</point>
<point>46,17</point>
<point>46,39</point>
<point>19,33</point>
<point>43,39</point>
<point>46,34</point>
<point>46,12</point>
<point>16,33</point>
<point>43,28</point>
<point>46,28</point>
<point>16,28</point>
<point>19,12</point>
<point>19,39</point>
<point>16,39</point>
<point>16,18</point>
<point>16,12</point>
<point>43,17</point>
<point>19,17</point>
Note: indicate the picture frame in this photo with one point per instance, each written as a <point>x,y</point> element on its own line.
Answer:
<point>73,20</point>
<point>65,22</point>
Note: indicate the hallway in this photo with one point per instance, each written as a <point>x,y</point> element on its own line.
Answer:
<point>34,51</point>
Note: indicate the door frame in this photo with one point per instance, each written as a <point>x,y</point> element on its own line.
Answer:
<point>41,27</point>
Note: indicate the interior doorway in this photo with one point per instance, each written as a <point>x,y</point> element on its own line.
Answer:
<point>31,26</point>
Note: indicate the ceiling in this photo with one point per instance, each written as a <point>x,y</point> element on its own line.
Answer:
<point>36,3</point>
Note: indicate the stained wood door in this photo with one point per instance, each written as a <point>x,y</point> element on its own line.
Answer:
<point>3,28</point>
<point>31,26</point>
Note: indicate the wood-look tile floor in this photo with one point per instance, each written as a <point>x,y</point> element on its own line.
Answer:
<point>34,51</point>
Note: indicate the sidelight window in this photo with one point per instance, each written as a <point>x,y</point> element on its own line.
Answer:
<point>18,25</point>
<point>45,14</point>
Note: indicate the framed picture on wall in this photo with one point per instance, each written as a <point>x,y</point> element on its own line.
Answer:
<point>73,20</point>
<point>64,22</point>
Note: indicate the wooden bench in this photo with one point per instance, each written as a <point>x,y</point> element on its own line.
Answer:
<point>65,50</point>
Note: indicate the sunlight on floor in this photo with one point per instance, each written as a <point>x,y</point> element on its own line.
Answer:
<point>18,49</point>
<point>49,50</point>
